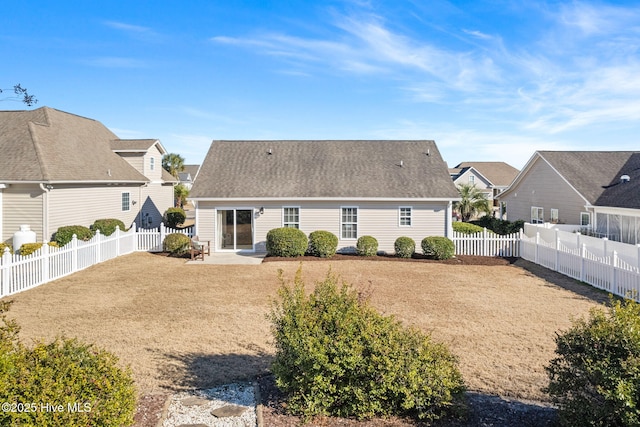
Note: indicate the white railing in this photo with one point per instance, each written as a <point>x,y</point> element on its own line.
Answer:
<point>487,243</point>
<point>19,273</point>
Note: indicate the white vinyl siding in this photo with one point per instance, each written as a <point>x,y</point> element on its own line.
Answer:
<point>405,216</point>
<point>291,216</point>
<point>22,204</point>
<point>349,222</point>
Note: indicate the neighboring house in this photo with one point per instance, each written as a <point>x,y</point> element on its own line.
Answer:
<point>598,191</point>
<point>492,178</point>
<point>385,189</point>
<point>188,175</point>
<point>60,169</point>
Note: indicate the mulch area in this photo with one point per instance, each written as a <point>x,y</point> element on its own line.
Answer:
<point>458,260</point>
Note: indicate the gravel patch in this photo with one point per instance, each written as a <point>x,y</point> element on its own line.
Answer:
<point>199,407</point>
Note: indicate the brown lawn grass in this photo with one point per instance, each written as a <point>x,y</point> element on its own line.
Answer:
<point>194,326</point>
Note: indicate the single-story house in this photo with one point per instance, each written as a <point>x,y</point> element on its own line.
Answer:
<point>598,191</point>
<point>60,169</point>
<point>492,178</point>
<point>385,189</point>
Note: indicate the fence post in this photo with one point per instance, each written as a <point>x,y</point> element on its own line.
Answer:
<point>583,255</point>
<point>485,242</point>
<point>134,231</point>
<point>117,233</point>
<point>74,253</point>
<point>163,233</point>
<point>99,239</point>
<point>6,272</point>
<point>614,262</point>
<point>638,257</point>
<point>537,246</point>
<point>557,251</point>
<point>604,245</point>
<point>45,262</point>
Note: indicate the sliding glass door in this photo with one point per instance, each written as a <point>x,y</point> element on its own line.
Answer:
<point>235,229</point>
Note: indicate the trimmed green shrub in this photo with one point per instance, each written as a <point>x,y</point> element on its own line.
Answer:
<point>466,228</point>
<point>337,356</point>
<point>174,217</point>
<point>177,244</point>
<point>3,246</point>
<point>83,383</point>
<point>595,378</point>
<point>405,247</point>
<point>499,226</point>
<point>438,247</point>
<point>286,242</point>
<point>29,248</point>
<point>64,234</point>
<point>367,246</point>
<point>323,244</point>
<point>107,226</point>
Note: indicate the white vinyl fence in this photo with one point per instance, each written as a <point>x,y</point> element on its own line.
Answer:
<point>487,243</point>
<point>611,266</point>
<point>19,273</point>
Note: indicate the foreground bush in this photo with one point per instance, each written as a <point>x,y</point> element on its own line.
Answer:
<point>3,246</point>
<point>367,246</point>
<point>177,244</point>
<point>286,242</point>
<point>438,247</point>
<point>405,247</point>
<point>83,383</point>
<point>466,228</point>
<point>174,217</point>
<point>337,356</point>
<point>323,244</point>
<point>64,234</point>
<point>595,378</point>
<point>107,226</point>
<point>29,248</point>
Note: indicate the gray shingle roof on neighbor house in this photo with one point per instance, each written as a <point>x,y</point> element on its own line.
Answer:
<point>596,175</point>
<point>48,145</point>
<point>324,169</point>
<point>133,145</point>
<point>500,174</point>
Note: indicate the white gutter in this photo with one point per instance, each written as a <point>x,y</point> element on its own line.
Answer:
<point>45,211</point>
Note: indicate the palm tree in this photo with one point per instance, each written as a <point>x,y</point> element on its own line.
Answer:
<point>473,202</point>
<point>180,193</point>
<point>173,163</point>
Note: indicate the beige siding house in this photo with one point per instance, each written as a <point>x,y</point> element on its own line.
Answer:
<point>60,169</point>
<point>598,191</point>
<point>492,178</point>
<point>385,189</point>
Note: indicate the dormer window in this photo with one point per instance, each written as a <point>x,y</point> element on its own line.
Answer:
<point>152,163</point>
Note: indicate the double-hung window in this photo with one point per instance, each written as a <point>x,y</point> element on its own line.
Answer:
<point>349,223</point>
<point>537,215</point>
<point>555,217</point>
<point>152,163</point>
<point>291,217</point>
<point>405,216</point>
<point>126,202</point>
<point>585,219</point>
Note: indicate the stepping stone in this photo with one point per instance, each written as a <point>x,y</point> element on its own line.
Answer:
<point>228,411</point>
<point>194,401</point>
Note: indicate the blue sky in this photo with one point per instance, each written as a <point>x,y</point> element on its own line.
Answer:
<point>492,80</point>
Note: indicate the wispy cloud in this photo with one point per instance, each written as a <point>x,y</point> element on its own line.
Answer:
<point>135,31</point>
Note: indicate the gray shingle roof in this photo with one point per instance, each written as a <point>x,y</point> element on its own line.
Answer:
<point>327,169</point>
<point>595,175</point>
<point>137,145</point>
<point>500,174</point>
<point>49,145</point>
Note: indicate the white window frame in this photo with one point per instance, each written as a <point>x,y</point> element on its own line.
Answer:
<point>582,216</point>
<point>472,179</point>
<point>403,216</point>
<point>286,223</point>
<point>539,214</point>
<point>152,163</point>
<point>122,201</point>
<point>555,216</point>
<point>343,223</point>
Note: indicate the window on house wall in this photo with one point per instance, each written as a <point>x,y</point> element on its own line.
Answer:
<point>472,179</point>
<point>585,219</point>
<point>554,216</point>
<point>291,217</point>
<point>405,216</point>
<point>126,201</point>
<point>349,223</point>
<point>537,215</point>
<point>152,163</point>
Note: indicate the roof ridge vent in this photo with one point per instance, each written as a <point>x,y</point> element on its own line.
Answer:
<point>625,178</point>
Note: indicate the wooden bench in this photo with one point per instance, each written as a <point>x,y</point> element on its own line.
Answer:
<point>199,248</point>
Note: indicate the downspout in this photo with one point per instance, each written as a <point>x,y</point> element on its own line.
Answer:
<point>448,220</point>
<point>45,211</point>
